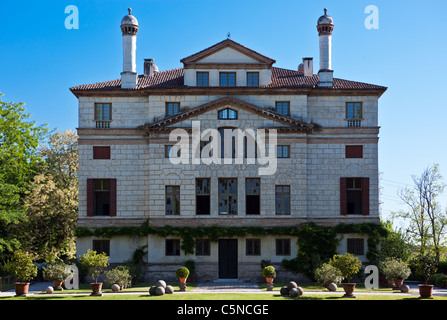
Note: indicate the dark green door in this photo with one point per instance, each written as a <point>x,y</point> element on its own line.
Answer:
<point>228,259</point>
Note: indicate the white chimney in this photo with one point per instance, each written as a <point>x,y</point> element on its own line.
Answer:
<point>129,28</point>
<point>308,64</point>
<point>325,27</point>
<point>149,67</point>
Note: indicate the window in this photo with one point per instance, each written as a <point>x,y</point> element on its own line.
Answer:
<point>252,79</point>
<point>283,247</point>
<point>202,79</point>
<point>203,247</point>
<point>282,200</point>
<point>227,196</point>
<point>101,246</point>
<point>228,141</point>
<point>203,196</point>
<point>227,114</point>
<point>354,196</point>
<point>252,196</point>
<point>101,152</point>
<point>356,246</point>
<point>103,115</point>
<point>102,197</point>
<point>172,247</point>
<point>176,151</point>
<point>283,152</point>
<point>354,152</point>
<point>172,108</point>
<point>354,114</point>
<point>253,247</point>
<point>283,107</point>
<point>227,79</point>
<point>172,200</point>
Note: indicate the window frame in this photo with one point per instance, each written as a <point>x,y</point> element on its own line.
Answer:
<point>219,112</point>
<point>228,73</point>
<point>253,73</point>
<point>354,117</point>
<point>101,117</point>
<point>282,147</point>
<point>201,83</point>
<point>253,247</point>
<point>168,114</point>
<point>282,106</point>
<point>101,152</point>
<point>203,247</point>
<point>228,196</point>
<point>251,194</point>
<point>356,246</point>
<point>282,246</point>
<point>354,151</point>
<point>101,245</point>
<point>170,195</point>
<point>175,247</point>
<point>106,192</point>
<point>203,195</point>
<point>283,202</point>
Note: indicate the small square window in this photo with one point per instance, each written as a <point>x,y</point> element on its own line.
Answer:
<point>283,247</point>
<point>253,247</point>
<point>203,247</point>
<point>227,79</point>
<point>354,152</point>
<point>101,153</point>
<point>283,152</point>
<point>356,246</point>
<point>252,79</point>
<point>101,246</point>
<point>283,107</point>
<point>172,108</point>
<point>202,79</point>
<point>172,247</point>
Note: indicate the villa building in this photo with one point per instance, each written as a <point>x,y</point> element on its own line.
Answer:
<point>131,171</point>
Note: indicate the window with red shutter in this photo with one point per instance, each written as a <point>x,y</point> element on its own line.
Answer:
<point>101,152</point>
<point>353,152</point>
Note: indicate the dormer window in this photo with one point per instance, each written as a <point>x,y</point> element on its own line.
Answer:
<point>227,114</point>
<point>227,79</point>
<point>203,79</point>
<point>252,79</point>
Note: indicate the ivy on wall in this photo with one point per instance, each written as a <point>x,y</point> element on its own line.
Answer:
<point>312,238</point>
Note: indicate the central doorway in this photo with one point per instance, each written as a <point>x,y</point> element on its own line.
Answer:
<point>228,259</point>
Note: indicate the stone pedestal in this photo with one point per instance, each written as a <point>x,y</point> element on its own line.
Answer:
<point>182,286</point>
<point>269,286</point>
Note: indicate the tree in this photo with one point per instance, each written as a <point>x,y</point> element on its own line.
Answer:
<point>396,244</point>
<point>427,221</point>
<point>52,203</point>
<point>19,161</point>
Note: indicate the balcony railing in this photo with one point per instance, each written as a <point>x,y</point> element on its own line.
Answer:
<point>103,124</point>
<point>353,123</point>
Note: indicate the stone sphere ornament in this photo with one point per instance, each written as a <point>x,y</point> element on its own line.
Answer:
<point>284,291</point>
<point>169,289</point>
<point>332,287</point>
<point>405,288</point>
<point>115,288</point>
<point>49,290</point>
<point>152,290</point>
<point>293,292</point>
<point>159,291</point>
<point>300,291</point>
<point>291,285</point>
<point>161,283</point>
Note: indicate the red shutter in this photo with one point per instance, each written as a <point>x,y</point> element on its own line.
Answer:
<point>101,152</point>
<point>365,196</point>
<point>354,152</point>
<point>343,197</point>
<point>90,197</point>
<point>112,197</point>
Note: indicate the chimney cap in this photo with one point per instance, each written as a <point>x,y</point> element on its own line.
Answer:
<point>129,19</point>
<point>325,19</point>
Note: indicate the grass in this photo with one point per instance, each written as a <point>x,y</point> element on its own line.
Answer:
<point>311,286</point>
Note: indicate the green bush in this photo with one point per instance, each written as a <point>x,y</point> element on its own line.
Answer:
<point>182,272</point>
<point>119,275</point>
<point>394,268</point>
<point>21,266</point>
<point>55,272</point>
<point>425,265</point>
<point>347,263</point>
<point>438,279</point>
<point>269,272</point>
<point>327,274</point>
<point>94,263</point>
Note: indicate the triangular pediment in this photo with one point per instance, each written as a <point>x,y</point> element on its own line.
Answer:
<point>227,52</point>
<point>287,122</point>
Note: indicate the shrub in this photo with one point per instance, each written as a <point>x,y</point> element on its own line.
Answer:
<point>425,265</point>
<point>327,274</point>
<point>119,275</point>
<point>269,272</point>
<point>182,272</point>
<point>94,263</point>
<point>21,266</point>
<point>438,279</point>
<point>394,268</point>
<point>55,272</point>
<point>191,266</point>
<point>347,263</point>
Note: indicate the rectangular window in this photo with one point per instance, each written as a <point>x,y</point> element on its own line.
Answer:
<point>283,107</point>
<point>252,79</point>
<point>172,247</point>
<point>203,196</point>
<point>354,152</point>
<point>172,200</point>
<point>101,246</point>
<point>227,196</point>
<point>203,247</point>
<point>283,247</point>
<point>282,200</point>
<point>227,79</point>
<point>172,108</point>
<point>253,247</point>
<point>283,152</point>
<point>176,151</point>
<point>101,152</point>
<point>202,79</point>
<point>103,115</point>
<point>354,195</point>
<point>354,114</point>
<point>252,196</point>
<point>102,197</point>
<point>356,246</point>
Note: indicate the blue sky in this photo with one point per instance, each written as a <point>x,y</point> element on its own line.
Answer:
<point>40,59</point>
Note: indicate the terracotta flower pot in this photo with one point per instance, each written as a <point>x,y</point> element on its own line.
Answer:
<point>96,288</point>
<point>21,288</point>
<point>57,285</point>
<point>182,280</point>
<point>269,280</point>
<point>349,289</point>
<point>425,290</point>
<point>398,282</point>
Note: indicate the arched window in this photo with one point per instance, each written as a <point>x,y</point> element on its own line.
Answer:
<point>227,114</point>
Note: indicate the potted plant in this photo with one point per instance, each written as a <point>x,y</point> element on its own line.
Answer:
<point>119,275</point>
<point>269,273</point>
<point>327,274</point>
<point>349,265</point>
<point>395,270</point>
<point>264,263</point>
<point>57,273</point>
<point>182,274</point>
<point>22,268</point>
<point>94,263</point>
<point>426,266</point>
